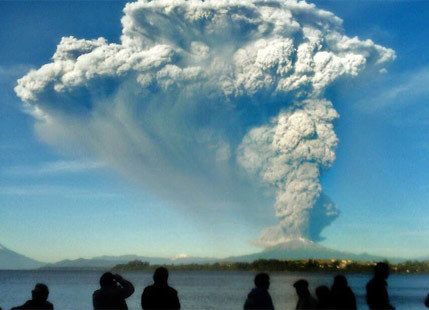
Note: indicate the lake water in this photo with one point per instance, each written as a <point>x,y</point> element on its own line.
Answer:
<point>72,290</point>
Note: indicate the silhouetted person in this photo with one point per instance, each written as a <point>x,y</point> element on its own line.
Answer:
<point>342,295</point>
<point>259,298</point>
<point>324,300</point>
<point>160,295</point>
<point>376,289</point>
<point>39,299</point>
<point>112,293</point>
<point>305,300</point>
<point>426,301</point>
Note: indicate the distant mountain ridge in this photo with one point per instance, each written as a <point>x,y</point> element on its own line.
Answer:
<point>10,260</point>
<point>111,261</point>
<point>104,261</point>
<point>293,250</point>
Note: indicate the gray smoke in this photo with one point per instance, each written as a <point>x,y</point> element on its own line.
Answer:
<point>195,92</point>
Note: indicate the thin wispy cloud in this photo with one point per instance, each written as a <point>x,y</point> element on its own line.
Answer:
<point>401,91</point>
<point>54,168</point>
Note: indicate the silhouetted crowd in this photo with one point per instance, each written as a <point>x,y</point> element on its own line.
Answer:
<point>114,290</point>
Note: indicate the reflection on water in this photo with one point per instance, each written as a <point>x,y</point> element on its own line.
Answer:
<point>70,290</point>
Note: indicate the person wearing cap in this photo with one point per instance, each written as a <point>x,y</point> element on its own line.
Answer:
<point>305,300</point>
<point>39,299</point>
<point>114,289</point>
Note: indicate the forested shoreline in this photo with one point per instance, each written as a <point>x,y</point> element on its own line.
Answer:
<point>273,265</point>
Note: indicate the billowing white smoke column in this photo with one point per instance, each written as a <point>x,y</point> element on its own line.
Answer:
<point>288,154</point>
<point>194,88</point>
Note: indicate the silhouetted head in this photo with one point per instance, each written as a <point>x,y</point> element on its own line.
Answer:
<point>262,280</point>
<point>160,276</point>
<point>40,292</point>
<point>301,287</point>
<point>340,282</point>
<point>323,294</point>
<point>107,280</point>
<point>381,271</point>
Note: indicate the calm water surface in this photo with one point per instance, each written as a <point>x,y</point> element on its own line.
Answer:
<point>72,290</point>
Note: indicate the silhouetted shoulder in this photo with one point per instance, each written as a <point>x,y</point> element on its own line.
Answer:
<point>258,299</point>
<point>154,288</point>
<point>31,305</point>
<point>160,297</point>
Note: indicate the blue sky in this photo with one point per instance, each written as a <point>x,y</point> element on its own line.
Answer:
<point>56,205</point>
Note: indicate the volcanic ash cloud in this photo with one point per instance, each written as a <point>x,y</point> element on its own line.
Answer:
<point>198,97</point>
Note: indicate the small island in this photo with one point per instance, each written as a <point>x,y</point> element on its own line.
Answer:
<point>279,265</point>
